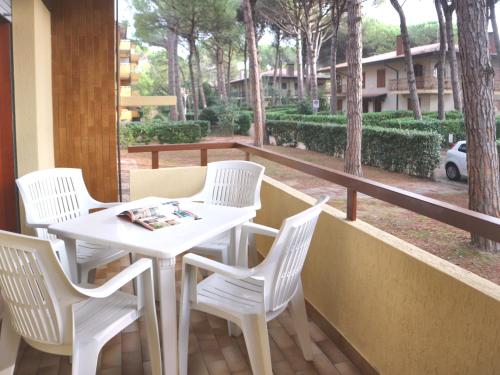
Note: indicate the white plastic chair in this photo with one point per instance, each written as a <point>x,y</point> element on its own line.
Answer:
<point>234,183</point>
<point>56,195</point>
<point>53,315</point>
<point>252,297</point>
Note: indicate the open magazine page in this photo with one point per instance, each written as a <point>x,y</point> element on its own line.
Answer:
<point>164,215</point>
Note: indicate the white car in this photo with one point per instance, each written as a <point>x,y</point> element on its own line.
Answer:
<point>456,161</point>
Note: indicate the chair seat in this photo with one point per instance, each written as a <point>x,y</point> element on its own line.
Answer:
<point>102,318</point>
<point>91,255</point>
<point>234,296</point>
<point>217,244</point>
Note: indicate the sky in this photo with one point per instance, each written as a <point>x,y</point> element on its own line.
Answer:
<point>416,11</point>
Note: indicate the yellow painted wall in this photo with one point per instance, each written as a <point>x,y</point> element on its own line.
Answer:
<point>403,309</point>
<point>33,85</point>
<point>166,182</point>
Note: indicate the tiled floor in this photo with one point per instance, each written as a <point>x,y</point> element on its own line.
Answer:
<point>211,350</point>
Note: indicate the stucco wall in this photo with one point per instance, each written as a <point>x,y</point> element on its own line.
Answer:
<point>33,85</point>
<point>403,309</point>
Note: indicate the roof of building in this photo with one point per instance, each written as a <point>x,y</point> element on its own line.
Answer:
<point>415,51</point>
<point>284,74</point>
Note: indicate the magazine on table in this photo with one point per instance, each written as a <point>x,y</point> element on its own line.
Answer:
<point>164,215</point>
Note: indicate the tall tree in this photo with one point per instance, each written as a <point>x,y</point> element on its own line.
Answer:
<point>338,8</point>
<point>410,74</point>
<point>449,7</point>
<point>494,26</point>
<point>354,89</point>
<point>479,113</point>
<point>277,33</point>
<point>200,78</point>
<point>156,25</point>
<point>442,59</point>
<point>255,81</point>
<point>298,63</point>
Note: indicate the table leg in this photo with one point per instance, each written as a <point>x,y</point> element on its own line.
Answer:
<point>68,259</point>
<point>168,314</point>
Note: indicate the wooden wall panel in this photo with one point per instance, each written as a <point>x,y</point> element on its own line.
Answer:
<point>83,73</point>
<point>8,206</point>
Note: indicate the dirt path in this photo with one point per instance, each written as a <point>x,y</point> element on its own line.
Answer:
<point>440,239</point>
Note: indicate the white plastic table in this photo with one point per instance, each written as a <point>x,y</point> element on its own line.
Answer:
<point>105,228</point>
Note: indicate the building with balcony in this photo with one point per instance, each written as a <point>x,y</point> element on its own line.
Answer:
<point>385,86</point>
<point>286,82</point>
<point>128,75</point>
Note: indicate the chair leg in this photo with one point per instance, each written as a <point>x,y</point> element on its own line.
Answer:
<point>299,316</point>
<point>150,319</point>
<point>86,276</point>
<point>184,319</point>
<point>257,341</point>
<point>84,359</point>
<point>9,345</point>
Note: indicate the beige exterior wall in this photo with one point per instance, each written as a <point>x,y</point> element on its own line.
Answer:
<point>403,309</point>
<point>33,85</point>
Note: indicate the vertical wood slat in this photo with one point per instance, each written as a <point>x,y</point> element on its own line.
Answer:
<point>247,156</point>
<point>203,157</point>
<point>352,204</point>
<point>84,96</point>
<point>155,160</point>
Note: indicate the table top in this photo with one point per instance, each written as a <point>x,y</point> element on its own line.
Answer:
<point>105,228</point>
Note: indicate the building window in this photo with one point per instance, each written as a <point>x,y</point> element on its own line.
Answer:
<point>339,84</point>
<point>418,69</point>
<point>296,86</point>
<point>364,79</point>
<point>339,104</point>
<point>381,78</point>
<point>283,86</point>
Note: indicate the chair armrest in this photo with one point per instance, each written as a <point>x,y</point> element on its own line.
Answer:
<point>217,267</point>
<point>118,281</point>
<point>39,225</point>
<point>260,229</point>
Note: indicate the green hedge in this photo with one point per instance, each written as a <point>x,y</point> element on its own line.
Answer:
<point>283,131</point>
<point>163,132</point>
<point>333,119</point>
<point>412,152</point>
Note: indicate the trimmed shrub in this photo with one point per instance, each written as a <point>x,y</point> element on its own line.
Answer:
<point>304,107</point>
<point>375,118</point>
<point>413,152</point>
<point>327,119</point>
<point>209,114</point>
<point>243,123</point>
<point>427,124</point>
<point>177,133</point>
<point>284,132</point>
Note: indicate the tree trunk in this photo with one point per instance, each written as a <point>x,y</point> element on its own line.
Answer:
<point>494,25</point>
<point>354,89</point>
<point>412,85</point>
<point>200,80</point>
<point>280,80</point>
<point>333,74</point>
<point>221,84</point>
<point>300,72</point>
<point>173,115</point>
<point>193,78</point>
<point>308,68</point>
<point>245,81</point>
<point>479,113</point>
<point>181,112</point>
<point>276,62</point>
<point>254,73</point>
<point>442,59</point>
<point>452,54</point>
<point>314,74</point>
<point>228,78</point>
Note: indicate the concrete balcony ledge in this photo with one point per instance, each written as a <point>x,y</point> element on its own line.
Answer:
<point>399,309</point>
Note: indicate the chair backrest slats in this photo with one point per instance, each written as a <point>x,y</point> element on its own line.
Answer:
<point>283,265</point>
<point>27,296</point>
<point>233,183</point>
<point>52,196</point>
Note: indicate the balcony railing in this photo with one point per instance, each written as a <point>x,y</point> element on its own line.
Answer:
<point>430,83</point>
<point>471,221</point>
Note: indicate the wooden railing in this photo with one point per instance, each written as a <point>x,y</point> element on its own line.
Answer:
<point>471,221</point>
